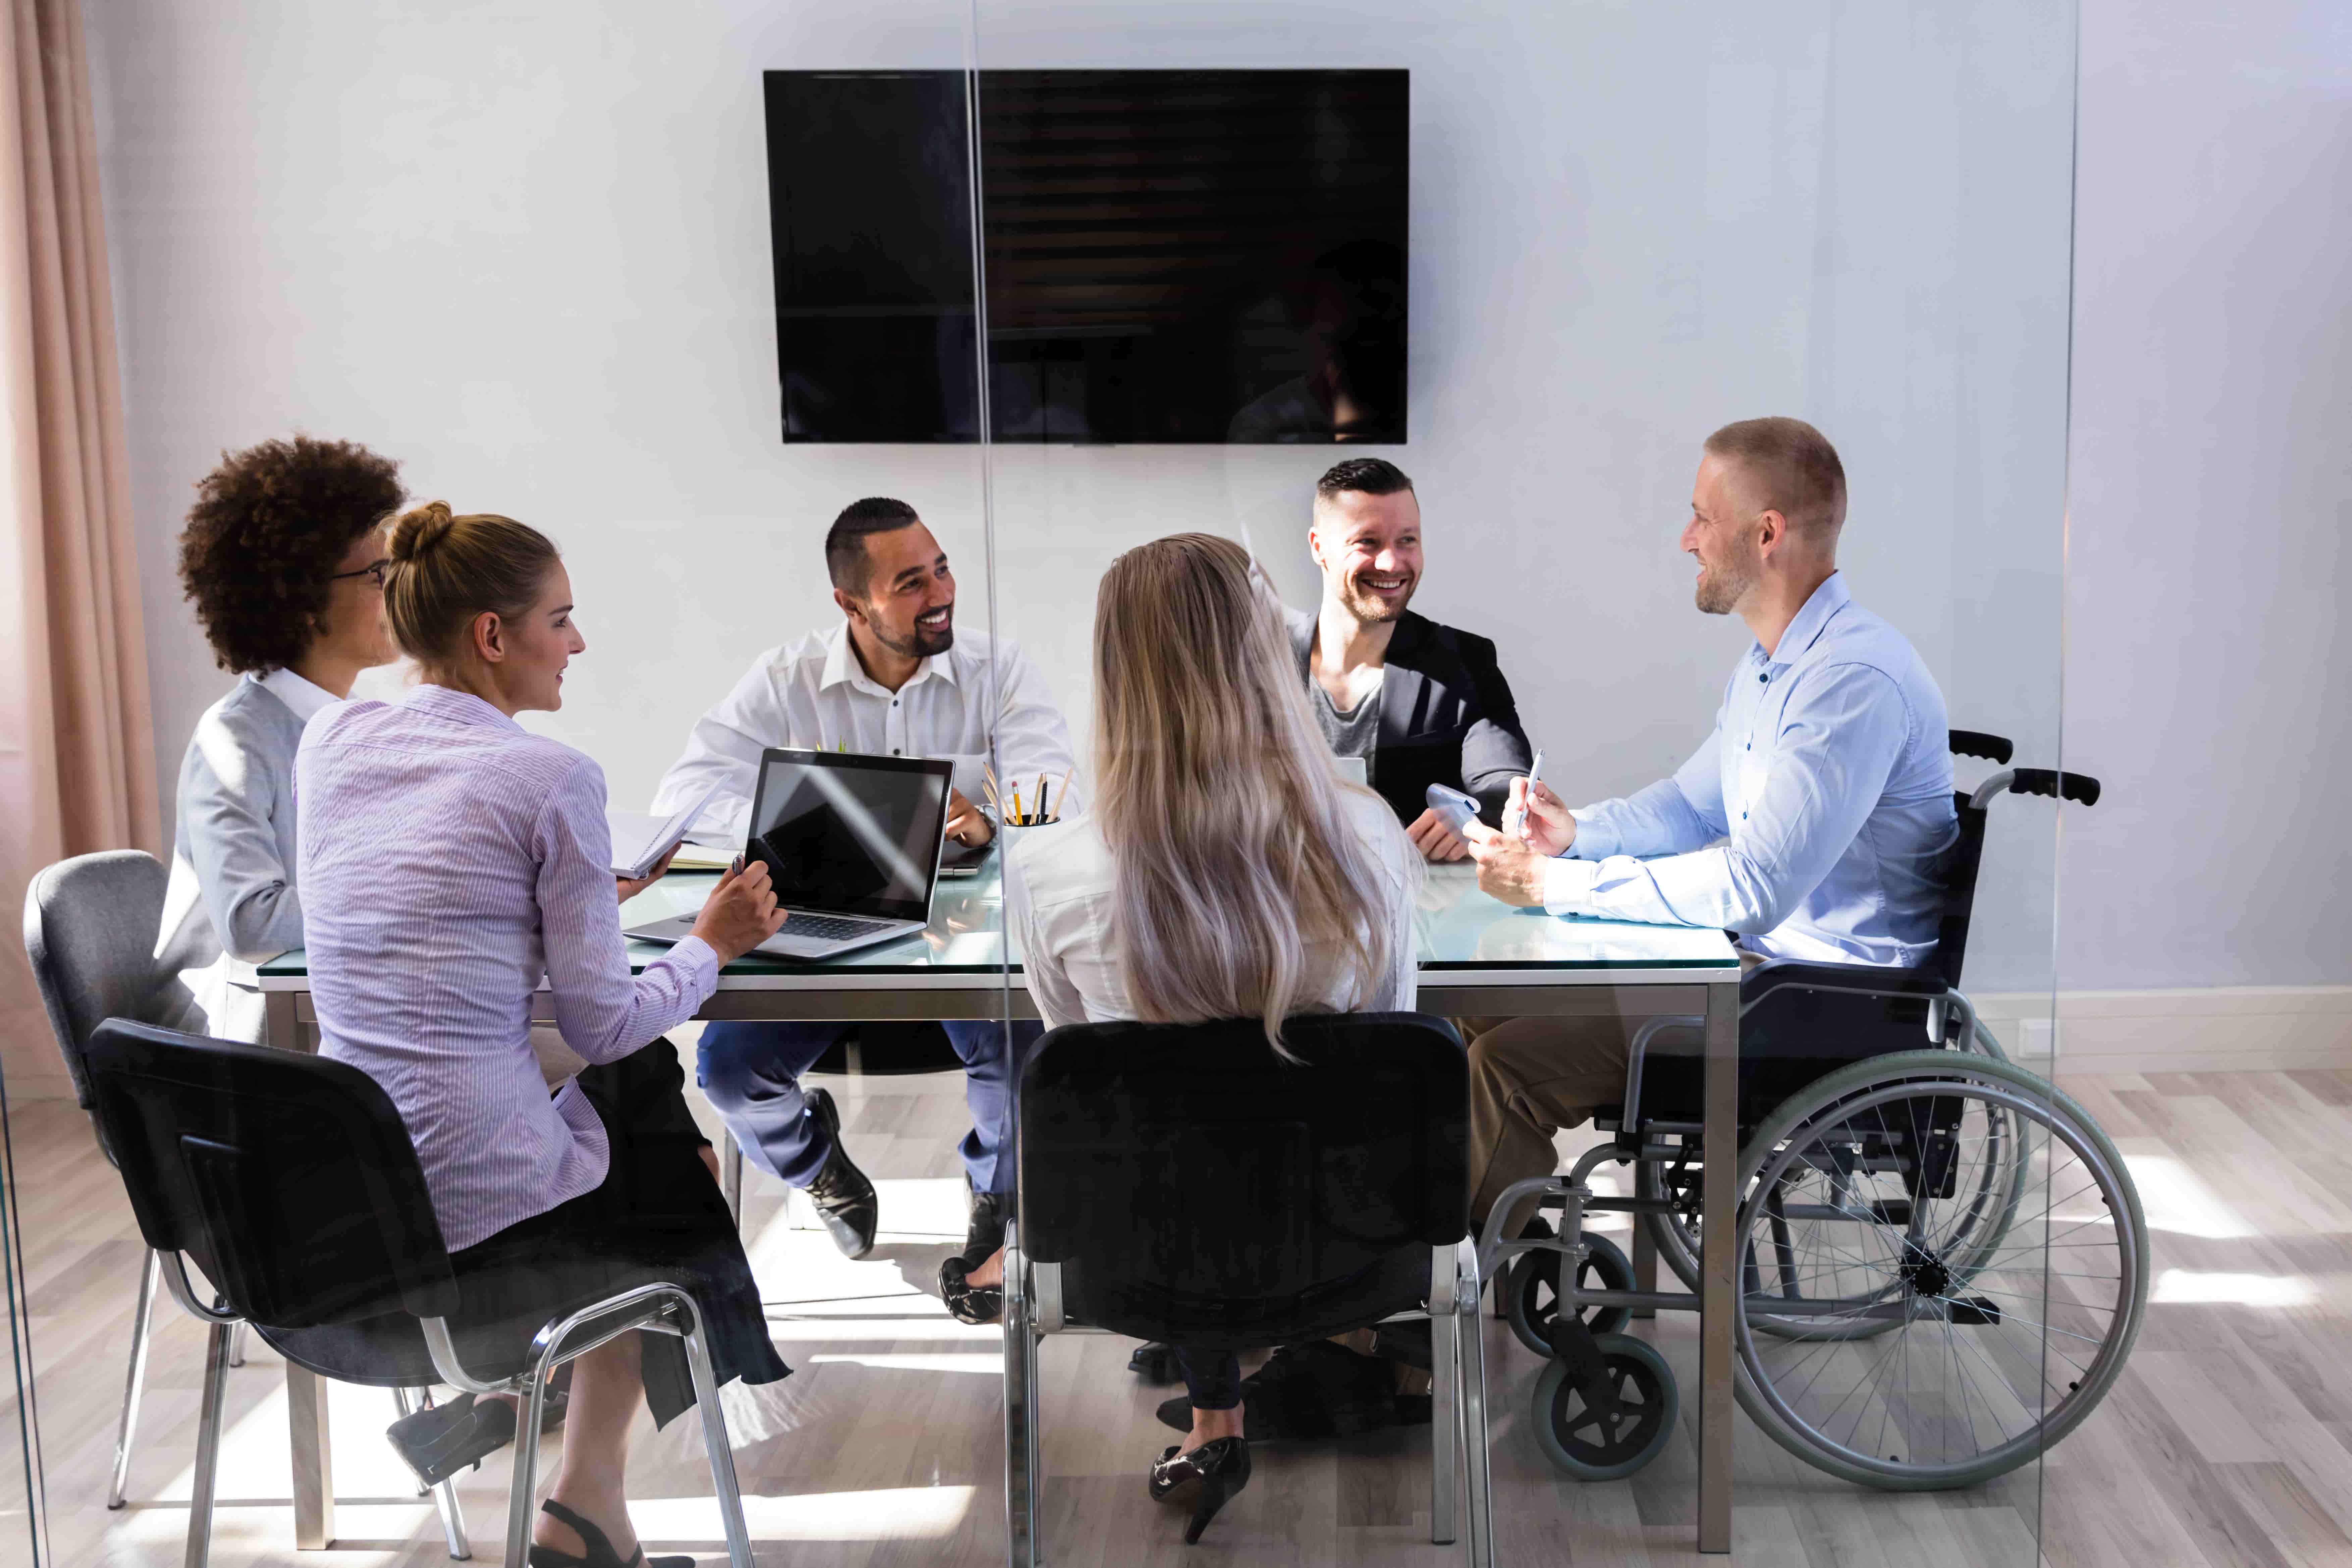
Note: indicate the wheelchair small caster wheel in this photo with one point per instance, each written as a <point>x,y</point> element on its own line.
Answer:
<point>1576,1437</point>
<point>1531,1293</point>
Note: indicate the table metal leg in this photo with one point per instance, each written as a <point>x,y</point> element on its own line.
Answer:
<point>1716,1248</point>
<point>281,1026</point>
<point>314,1485</point>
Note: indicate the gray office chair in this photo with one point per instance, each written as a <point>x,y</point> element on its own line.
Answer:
<point>90,928</point>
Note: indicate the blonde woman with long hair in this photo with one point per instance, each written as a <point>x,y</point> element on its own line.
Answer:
<point>1226,872</point>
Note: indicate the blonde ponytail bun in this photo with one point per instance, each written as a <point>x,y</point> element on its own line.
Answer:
<point>448,567</point>
<point>420,530</point>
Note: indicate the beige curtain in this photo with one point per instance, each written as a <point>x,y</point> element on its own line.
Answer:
<point>76,761</point>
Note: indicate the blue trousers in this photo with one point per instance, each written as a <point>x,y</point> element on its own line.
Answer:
<point>751,1074</point>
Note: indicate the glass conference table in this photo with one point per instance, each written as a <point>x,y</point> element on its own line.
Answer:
<point>1479,958</point>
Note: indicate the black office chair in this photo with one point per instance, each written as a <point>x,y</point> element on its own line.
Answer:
<point>90,930</point>
<point>290,1180</point>
<point>1184,1184</point>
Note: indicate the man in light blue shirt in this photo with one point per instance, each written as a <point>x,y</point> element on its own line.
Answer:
<point>1812,823</point>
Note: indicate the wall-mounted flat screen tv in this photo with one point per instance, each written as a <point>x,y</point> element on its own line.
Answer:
<point>1172,255</point>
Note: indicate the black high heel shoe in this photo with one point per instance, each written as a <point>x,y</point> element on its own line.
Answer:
<point>599,1552</point>
<point>969,1303</point>
<point>1206,1477</point>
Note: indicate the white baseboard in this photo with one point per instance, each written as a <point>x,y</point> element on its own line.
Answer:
<point>2222,1028</point>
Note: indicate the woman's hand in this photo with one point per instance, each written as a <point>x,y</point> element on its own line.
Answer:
<point>631,887</point>
<point>741,913</point>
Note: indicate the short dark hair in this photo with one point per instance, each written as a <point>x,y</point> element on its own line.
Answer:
<point>1366,475</point>
<point>1792,469</point>
<point>845,542</point>
<point>263,540</point>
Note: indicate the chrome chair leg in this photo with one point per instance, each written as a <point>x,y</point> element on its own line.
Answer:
<point>208,1433</point>
<point>1445,1396</point>
<point>522,1495</point>
<point>716,1444</point>
<point>731,1172</point>
<point>237,1345</point>
<point>445,1496</point>
<point>141,1324</point>
<point>1472,1391</point>
<point>1020,1411</point>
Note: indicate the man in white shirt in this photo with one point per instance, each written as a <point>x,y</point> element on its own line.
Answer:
<point>892,679</point>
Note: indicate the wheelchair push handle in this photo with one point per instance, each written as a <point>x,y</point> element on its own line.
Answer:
<point>2080,788</point>
<point>1976,743</point>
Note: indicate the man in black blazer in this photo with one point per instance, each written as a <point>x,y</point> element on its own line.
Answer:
<point>1421,703</point>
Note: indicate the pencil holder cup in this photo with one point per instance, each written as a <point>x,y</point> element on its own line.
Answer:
<point>1011,835</point>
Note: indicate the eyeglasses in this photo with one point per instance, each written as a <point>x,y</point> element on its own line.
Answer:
<point>374,572</point>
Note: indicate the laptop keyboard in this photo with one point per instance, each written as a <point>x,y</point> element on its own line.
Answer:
<point>829,928</point>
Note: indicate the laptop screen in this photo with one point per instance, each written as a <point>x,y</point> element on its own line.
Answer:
<point>851,835</point>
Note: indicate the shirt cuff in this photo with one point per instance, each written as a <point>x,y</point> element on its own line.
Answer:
<point>693,958</point>
<point>1568,885</point>
<point>1596,837</point>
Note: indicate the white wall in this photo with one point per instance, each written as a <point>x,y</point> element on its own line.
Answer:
<point>524,248</point>
<point>2212,536</point>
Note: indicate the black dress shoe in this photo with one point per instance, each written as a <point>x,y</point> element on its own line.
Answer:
<point>983,1227</point>
<point>844,1197</point>
<point>1203,1479</point>
<point>1156,1362</point>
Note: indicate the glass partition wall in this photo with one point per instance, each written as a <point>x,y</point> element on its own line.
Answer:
<point>680,294</point>
<point>1532,259</point>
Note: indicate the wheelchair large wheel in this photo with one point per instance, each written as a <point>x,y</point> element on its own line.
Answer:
<point>1997,1181</point>
<point>1531,1291</point>
<point>1575,1436</point>
<point>1862,1204</point>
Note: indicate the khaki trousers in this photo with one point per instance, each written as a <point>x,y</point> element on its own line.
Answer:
<point>1530,1078</point>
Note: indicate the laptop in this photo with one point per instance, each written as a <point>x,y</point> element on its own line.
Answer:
<point>852,843</point>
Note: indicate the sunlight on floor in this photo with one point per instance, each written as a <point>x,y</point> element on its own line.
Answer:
<point>2183,1285</point>
<point>900,1514</point>
<point>2175,1198</point>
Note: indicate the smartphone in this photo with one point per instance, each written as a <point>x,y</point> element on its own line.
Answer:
<point>1456,810</point>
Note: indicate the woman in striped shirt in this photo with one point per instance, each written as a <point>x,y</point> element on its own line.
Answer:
<point>450,861</point>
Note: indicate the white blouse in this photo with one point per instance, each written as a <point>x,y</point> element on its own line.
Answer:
<point>1058,899</point>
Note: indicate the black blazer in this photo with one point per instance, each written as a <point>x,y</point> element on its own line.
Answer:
<point>1446,717</point>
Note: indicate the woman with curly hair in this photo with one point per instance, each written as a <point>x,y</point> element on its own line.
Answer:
<point>283,557</point>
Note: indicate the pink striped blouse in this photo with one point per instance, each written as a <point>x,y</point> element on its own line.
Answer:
<point>450,859</point>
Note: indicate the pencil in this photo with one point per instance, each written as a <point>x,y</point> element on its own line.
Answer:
<point>1042,814</point>
<point>1063,789</point>
<point>1018,819</point>
<point>988,787</point>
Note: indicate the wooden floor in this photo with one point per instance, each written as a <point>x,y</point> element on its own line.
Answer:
<point>2228,1441</point>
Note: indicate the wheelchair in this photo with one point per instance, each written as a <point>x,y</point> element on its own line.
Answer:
<point>1941,1260</point>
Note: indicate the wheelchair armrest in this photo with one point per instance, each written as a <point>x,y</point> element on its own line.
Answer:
<point>1852,979</point>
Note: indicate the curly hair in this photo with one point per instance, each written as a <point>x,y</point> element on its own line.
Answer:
<point>269,528</point>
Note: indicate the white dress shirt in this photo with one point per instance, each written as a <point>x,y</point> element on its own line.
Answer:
<point>231,901</point>
<point>1813,823</point>
<point>1058,896</point>
<point>450,861</point>
<point>814,695</point>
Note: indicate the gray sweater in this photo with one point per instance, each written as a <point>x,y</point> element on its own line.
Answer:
<point>231,902</point>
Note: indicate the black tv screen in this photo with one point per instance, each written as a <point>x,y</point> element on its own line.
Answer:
<point>1171,256</point>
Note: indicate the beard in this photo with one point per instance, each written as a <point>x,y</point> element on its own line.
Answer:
<point>917,643</point>
<point>1371,609</point>
<point>1720,588</point>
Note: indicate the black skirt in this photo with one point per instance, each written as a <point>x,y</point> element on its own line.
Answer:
<point>657,1215</point>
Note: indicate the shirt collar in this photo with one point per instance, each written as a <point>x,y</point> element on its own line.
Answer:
<point>459,706</point>
<point>1812,621</point>
<point>305,698</point>
<point>841,664</point>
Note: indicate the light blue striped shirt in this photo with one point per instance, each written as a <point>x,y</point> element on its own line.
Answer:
<point>1813,823</point>
<point>450,859</point>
